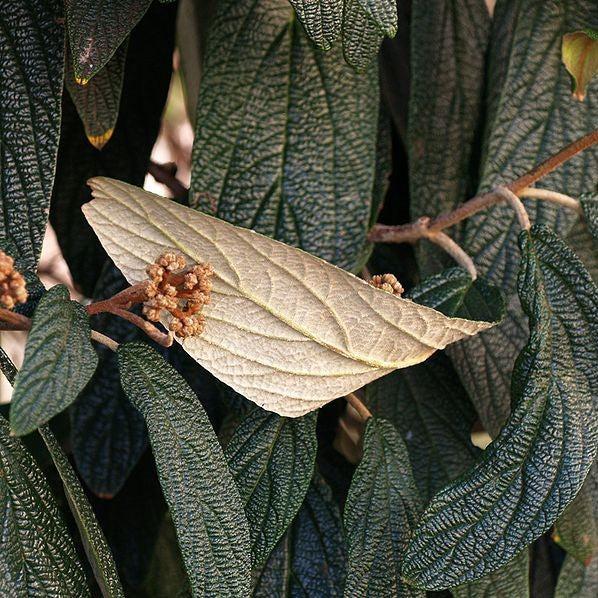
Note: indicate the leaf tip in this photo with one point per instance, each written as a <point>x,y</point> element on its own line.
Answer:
<point>99,141</point>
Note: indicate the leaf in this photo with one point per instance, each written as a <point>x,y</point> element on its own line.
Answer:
<point>271,108</point>
<point>576,580</point>
<point>433,414</point>
<point>576,531</point>
<point>589,204</point>
<point>205,505</point>
<point>538,463</point>
<point>580,57</point>
<point>272,461</point>
<point>31,46</point>
<point>97,29</point>
<point>383,13</point>
<point>126,156</point>
<point>381,510</point>
<point>309,559</point>
<point>94,542</point>
<point>37,555</point>
<point>59,361</point>
<point>280,327</point>
<point>97,101</point>
<point>448,43</point>
<point>361,36</point>
<point>531,116</point>
<point>321,20</point>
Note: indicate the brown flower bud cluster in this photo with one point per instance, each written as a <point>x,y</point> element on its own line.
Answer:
<point>12,283</point>
<point>388,283</point>
<point>179,291</point>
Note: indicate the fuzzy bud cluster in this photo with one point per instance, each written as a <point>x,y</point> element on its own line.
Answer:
<point>12,283</point>
<point>388,283</point>
<point>179,291</point>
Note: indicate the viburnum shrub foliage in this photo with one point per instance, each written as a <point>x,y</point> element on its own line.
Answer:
<point>269,383</point>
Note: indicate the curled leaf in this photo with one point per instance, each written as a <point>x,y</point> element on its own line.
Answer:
<point>580,56</point>
<point>285,329</point>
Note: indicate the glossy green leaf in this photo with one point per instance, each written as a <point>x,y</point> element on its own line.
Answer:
<point>448,47</point>
<point>380,512</point>
<point>272,461</point>
<point>309,559</point>
<point>531,116</point>
<point>537,465</point>
<point>94,542</point>
<point>97,101</point>
<point>273,108</point>
<point>576,580</point>
<point>127,155</point>
<point>321,20</point>
<point>433,414</point>
<point>37,555</point>
<point>97,29</point>
<point>59,361</point>
<point>589,204</point>
<point>32,50</point>
<point>206,507</point>
<point>361,36</point>
<point>576,531</point>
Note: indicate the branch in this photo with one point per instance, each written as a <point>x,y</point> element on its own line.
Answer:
<point>553,197</point>
<point>517,205</point>
<point>356,403</point>
<point>165,174</point>
<point>409,233</point>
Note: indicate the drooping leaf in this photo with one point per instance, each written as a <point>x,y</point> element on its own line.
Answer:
<point>272,108</point>
<point>310,558</point>
<point>272,461</point>
<point>580,56</point>
<point>589,204</point>
<point>383,13</point>
<point>37,555</point>
<point>97,101</point>
<point>126,155</point>
<point>576,531</point>
<point>538,463</point>
<point>205,505</point>
<point>576,580</point>
<point>94,542</point>
<point>276,312</point>
<point>32,50</point>
<point>321,20</point>
<point>107,433</point>
<point>361,36</point>
<point>448,47</point>
<point>433,414</point>
<point>380,512</point>
<point>59,361</point>
<point>97,29</point>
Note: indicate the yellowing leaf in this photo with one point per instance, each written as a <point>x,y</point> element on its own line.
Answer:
<point>285,329</point>
<point>580,56</point>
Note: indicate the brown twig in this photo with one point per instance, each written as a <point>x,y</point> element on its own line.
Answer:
<point>357,404</point>
<point>410,233</point>
<point>165,174</point>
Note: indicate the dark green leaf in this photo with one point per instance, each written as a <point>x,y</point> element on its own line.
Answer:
<point>94,542</point>
<point>361,36</point>
<point>37,555</point>
<point>272,461</point>
<point>576,580</point>
<point>448,47</point>
<point>271,109</point>
<point>576,531</point>
<point>97,29</point>
<point>531,116</point>
<point>59,361</point>
<point>97,101</point>
<point>321,20</point>
<point>206,507</point>
<point>383,13</point>
<point>125,157</point>
<point>434,416</point>
<point>309,559</point>
<point>380,512</point>
<point>589,204</point>
<point>32,50</point>
<point>537,465</point>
